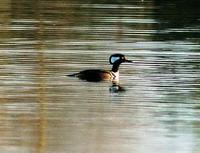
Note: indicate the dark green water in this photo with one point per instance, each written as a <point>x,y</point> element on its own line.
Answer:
<point>43,111</point>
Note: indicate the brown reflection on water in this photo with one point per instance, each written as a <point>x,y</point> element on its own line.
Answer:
<point>23,106</point>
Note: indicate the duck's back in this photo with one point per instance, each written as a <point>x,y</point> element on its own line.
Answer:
<point>94,75</point>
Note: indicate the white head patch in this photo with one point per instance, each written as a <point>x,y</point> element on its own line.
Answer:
<point>114,59</point>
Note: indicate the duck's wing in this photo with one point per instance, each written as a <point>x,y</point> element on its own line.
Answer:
<point>93,75</point>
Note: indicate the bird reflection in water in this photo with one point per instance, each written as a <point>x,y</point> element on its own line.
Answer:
<point>116,87</point>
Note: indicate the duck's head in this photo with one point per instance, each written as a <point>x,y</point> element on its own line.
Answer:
<point>118,58</point>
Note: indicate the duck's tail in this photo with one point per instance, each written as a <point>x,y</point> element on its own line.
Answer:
<point>73,75</point>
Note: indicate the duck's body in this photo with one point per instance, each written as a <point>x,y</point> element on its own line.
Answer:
<point>95,75</point>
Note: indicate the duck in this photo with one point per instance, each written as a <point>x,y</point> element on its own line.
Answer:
<point>96,75</point>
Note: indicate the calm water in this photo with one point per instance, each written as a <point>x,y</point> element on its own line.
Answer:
<point>43,111</point>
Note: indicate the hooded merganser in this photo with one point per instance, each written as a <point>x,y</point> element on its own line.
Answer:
<point>95,75</point>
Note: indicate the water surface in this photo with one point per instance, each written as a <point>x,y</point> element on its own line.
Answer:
<point>43,111</point>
